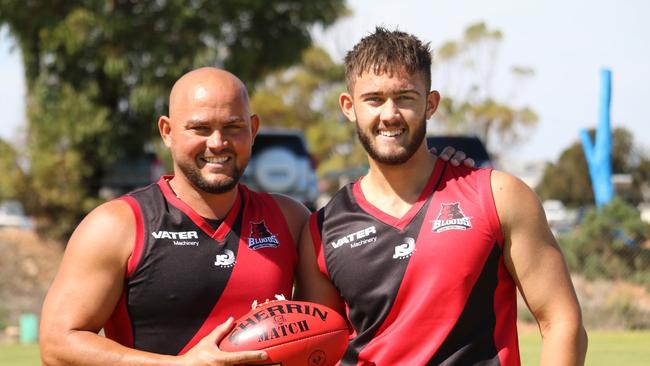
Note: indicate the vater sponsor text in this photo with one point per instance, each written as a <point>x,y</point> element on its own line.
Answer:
<point>351,238</point>
<point>175,234</point>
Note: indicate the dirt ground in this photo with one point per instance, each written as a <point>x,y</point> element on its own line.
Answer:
<point>27,266</point>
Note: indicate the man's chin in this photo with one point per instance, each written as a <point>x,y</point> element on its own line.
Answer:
<point>216,183</point>
<point>390,157</point>
<point>217,188</point>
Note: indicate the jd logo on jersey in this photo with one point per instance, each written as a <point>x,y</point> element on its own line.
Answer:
<point>227,259</point>
<point>451,217</point>
<point>260,237</point>
<point>405,250</point>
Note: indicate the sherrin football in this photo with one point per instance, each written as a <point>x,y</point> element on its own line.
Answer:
<point>293,333</point>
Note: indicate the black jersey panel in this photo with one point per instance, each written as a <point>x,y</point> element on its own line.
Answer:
<point>471,341</point>
<point>166,311</point>
<point>355,245</point>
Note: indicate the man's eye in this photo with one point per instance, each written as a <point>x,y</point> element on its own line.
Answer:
<point>200,128</point>
<point>374,100</point>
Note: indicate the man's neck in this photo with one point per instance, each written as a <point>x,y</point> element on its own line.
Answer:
<point>208,205</point>
<point>395,188</point>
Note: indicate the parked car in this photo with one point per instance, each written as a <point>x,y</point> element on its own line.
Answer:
<point>555,211</point>
<point>560,219</point>
<point>130,173</point>
<point>471,145</point>
<point>13,215</point>
<point>281,163</point>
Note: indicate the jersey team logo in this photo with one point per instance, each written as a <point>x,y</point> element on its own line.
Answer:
<point>261,237</point>
<point>451,217</point>
<point>405,250</point>
<point>225,260</point>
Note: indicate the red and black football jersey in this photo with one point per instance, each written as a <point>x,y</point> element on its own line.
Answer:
<point>429,288</point>
<point>185,277</point>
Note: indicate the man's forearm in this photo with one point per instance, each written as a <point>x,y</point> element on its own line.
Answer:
<point>89,349</point>
<point>563,344</point>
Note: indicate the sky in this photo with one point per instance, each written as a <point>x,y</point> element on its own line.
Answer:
<point>566,42</point>
<point>12,87</point>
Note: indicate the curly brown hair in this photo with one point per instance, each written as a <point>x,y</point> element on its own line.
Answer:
<point>389,52</point>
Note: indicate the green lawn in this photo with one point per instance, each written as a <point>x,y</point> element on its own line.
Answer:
<point>19,355</point>
<point>605,348</point>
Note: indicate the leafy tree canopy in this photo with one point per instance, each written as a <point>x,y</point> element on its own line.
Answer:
<point>305,97</point>
<point>98,75</point>
<point>12,176</point>
<point>463,70</point>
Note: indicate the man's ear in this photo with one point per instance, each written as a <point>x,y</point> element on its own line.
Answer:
<point>433,100</point>
<point>255,125</point>
<point>165,129</point>
<point>347,106</point>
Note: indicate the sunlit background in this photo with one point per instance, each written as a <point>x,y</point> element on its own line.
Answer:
<point>523,76</point>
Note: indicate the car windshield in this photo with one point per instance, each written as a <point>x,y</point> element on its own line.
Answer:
<point>290,142</point>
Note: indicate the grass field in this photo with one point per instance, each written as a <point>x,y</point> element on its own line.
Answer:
<point>605,348</point>
<point>19,355</point>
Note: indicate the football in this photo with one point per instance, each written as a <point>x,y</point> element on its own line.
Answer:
<point>293,333</point>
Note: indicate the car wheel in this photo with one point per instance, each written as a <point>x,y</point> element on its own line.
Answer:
<point>276,169</point>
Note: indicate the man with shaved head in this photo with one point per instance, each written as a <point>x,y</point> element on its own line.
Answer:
<point>164,269</point>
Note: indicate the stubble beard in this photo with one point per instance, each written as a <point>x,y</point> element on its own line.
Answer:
<point>224,185</point>
<point>393,158</point>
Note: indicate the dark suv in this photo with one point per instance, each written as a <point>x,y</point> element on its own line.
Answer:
<point>471,145</point>
<point>280,162</point>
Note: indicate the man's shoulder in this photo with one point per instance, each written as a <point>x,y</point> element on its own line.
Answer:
<point>153,187</point>
<point>504,181</point>
<point>283,200</point>
<point>465,171</point>
<point>513,198</point>
<point>110,226</point>
<point>114,211</point>
<point>451,177</point>
<point>294,212</point>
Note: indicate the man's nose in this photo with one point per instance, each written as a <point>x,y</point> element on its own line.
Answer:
<point>216,139</point>
<point>389,111</point>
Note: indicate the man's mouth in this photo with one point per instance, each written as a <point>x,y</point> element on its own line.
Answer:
<point>393,132</point>
<point>215,159</point>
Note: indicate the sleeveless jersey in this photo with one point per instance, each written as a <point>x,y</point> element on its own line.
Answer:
<point>184,278</point>
<point>429,288</point>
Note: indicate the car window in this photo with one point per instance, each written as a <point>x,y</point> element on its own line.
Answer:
<point>293,143</point>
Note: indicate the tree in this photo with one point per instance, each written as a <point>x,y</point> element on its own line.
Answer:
<point>98,74</point>
<point>305,97</point>
<point>12,176</point>
<point>463,70</point>
<point>568,179</point>
<point>609,243</point>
